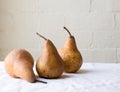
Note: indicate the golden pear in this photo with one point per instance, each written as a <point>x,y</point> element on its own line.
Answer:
<point>70,54</point>
<point>19,64</point>
<point>49,64</point>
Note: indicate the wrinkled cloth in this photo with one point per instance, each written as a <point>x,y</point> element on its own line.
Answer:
<point>92,77</point>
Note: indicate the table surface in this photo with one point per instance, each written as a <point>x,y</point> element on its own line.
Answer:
<point>92,77</point>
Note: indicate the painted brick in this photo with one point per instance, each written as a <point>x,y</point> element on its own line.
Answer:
<point>115,5</point>
<point>86,55</point>
<point>107,55</point>
<point>106,40</point>
<point>90,21</point>
<point>105,5</point>
<point>63,6</point>
<point>53,6</point>
<point>50,22</point>
<point>117,20</point>
<point>101,5</point>
<point>18,5</point>
<point>6,21</point>
<point>99,55</point>
<point>24,21</point>
<point>78,6</point>
<point>5,39</point>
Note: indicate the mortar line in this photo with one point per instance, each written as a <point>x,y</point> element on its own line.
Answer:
<point>92,40</point>
<point>115,23</point>
<point>90,8</point>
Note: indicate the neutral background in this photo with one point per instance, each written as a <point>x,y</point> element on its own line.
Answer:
<point>94,23</point>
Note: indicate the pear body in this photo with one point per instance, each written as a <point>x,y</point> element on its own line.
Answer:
<point>19,64</point>
<point>49,64</point>
<point>71,56</point>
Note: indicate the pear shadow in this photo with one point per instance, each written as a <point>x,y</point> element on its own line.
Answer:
<point>83,71</point>
<point>64,76</point>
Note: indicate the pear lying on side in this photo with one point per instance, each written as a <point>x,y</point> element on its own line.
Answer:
<point>70,54</point>
<point>49,64</point>
<point>19,64</point>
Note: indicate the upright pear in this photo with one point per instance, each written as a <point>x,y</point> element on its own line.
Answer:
<point>19,64</point>
<point>70,54</point>
<point>49,64</point>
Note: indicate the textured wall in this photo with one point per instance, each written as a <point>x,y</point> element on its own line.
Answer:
<point>94,23</point>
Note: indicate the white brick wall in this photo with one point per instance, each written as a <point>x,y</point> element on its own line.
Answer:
<point>100,55</point>
<point>94,23</point>
<point>106,39</point>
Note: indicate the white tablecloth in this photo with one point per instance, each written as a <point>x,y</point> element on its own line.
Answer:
<point>93,77</point>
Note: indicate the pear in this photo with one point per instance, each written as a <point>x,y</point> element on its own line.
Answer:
<point>70,54</point>
<point>49,64</point>
<point>19,64</point>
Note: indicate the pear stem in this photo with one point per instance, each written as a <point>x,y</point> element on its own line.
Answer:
<point>68,31</point>
<point>41,36</point>
<point>41,81</point>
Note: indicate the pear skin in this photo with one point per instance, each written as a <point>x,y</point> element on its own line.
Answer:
<point>49,64</point>
<point>19,63</point>
<point>70,54</point>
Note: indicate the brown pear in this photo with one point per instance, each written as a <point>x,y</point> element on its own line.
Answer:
<point>70,54</point>
<point>49,64</point>
<point>19,64</point>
